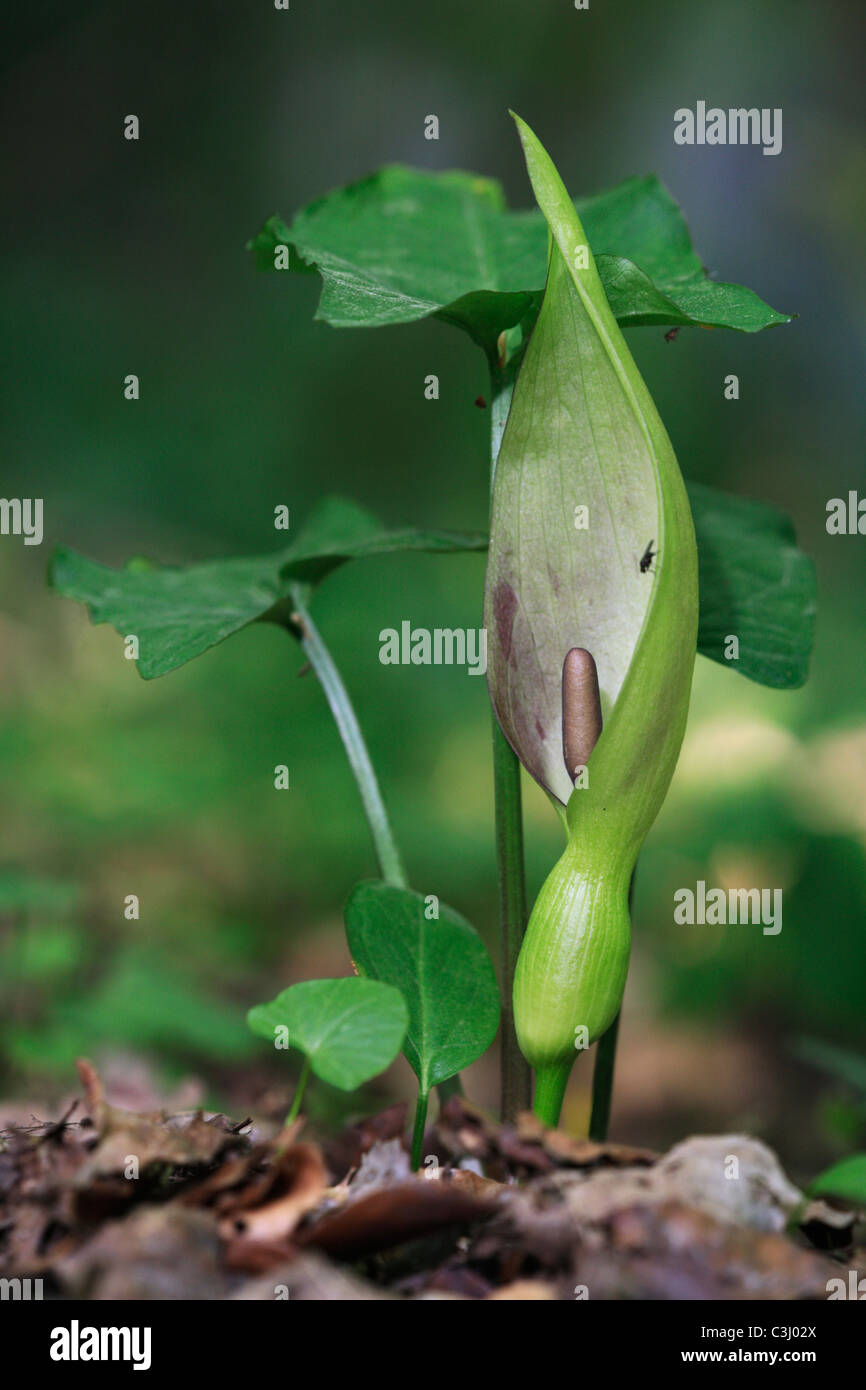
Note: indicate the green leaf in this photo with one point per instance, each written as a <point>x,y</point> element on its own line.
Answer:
<point>179,612</point>
<point>442,969</point>
<point>349,1029</point>
<point>845,1180</point>
<point>404,244</point>
<point>754,584</point>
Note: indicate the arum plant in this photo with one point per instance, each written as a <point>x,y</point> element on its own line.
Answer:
<point>591,605</point>
<point>592,627</point>
<point>444,974</point>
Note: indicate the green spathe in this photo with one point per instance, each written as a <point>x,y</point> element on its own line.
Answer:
<point>583,428</point>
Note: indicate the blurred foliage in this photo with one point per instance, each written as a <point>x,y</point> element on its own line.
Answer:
<point>130,258</point>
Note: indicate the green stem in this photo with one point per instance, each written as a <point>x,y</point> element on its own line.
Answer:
<point>516,1085</point>
<point>605,1063</point>
<point>299,1091</point>
<point>302,626</point>
<point>390,863</point>
<point>452,1087</point>
<point>418,1130</point>
<point>550,1084</point>
<point>602,1082</point>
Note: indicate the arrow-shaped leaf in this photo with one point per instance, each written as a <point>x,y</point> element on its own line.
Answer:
<point>754,585</point>
<point>442,969</point>
<point>404,244</point>
<point>179,612</point>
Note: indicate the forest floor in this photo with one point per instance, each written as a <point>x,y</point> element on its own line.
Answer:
<point>107,1203</point>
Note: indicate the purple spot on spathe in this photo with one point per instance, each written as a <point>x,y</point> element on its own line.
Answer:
<point>505,605</point>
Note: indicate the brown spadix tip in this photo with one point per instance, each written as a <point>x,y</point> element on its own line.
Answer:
<point>581,709</point>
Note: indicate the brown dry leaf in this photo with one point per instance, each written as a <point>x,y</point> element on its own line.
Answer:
<point>299,1178</point>
<point>256,1256</point>
<point>476,1186</point>
<point>151,1139</point>
<point>524,1157</point>
<point>181,1141</point>
<point>392,1217</point>
<point>221,1187</point>
<point>463,1130</point>
<point>24,1238</point>
<point>581,1153</point>
<point>245,1179</point>
<point>620,1221</point>
<point>524,1149</point>
<point>37,1169</point>
<point>344,1151</point>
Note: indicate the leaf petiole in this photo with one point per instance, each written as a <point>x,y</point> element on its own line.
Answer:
<point>302,626</point>
<point>418,1129</point>
<point>299,1091</point>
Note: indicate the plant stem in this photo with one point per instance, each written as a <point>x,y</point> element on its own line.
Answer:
<point>319,657</point>
<point>550,1084</point>
<point>418,1129</point>
<point>452,1087</point>
<point>390,863</point>
<point>299,1091</point>
<point>605,1062</point>
<point>516,1088</point>
<point>602,1082</point>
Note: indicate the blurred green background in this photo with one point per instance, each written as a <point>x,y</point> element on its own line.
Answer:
<point>129,257</point>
